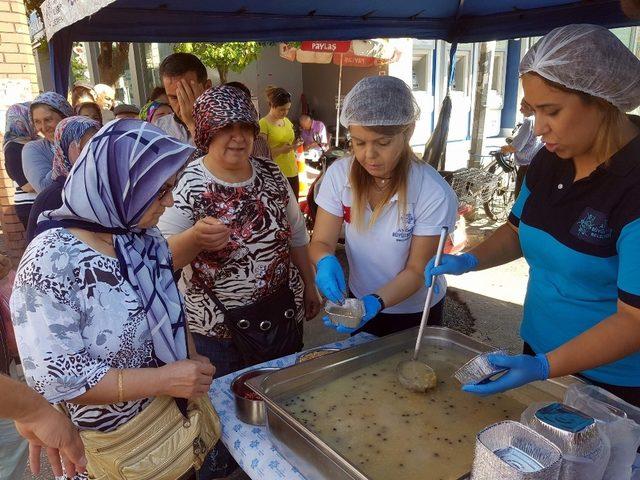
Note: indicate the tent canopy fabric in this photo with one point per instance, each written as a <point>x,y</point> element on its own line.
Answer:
<point>278,20</point>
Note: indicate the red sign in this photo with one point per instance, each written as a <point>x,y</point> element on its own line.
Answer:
<point>351,60</point>
<point>325,46</point>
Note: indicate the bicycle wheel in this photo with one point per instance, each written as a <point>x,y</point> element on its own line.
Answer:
<point>497,208</point>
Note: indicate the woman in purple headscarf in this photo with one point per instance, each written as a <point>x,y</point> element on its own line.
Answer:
<point>71,135</point>
<point>45,112</point>
<point>98,317</point>
<point>19,132</point>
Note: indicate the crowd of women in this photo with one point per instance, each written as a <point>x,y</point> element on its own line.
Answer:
<point>123,210</point>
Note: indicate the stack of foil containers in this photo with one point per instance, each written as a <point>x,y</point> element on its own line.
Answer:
<point>511,451</point>
<point>585,450</point>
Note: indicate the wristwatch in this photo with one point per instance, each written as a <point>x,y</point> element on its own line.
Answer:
<point>379,298</point>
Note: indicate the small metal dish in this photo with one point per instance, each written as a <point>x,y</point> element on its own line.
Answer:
<point>249,405</point>
<point>348,314</point>
<point>315,353</point>
<point>478,369</point>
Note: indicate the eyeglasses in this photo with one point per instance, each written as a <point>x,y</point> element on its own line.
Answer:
<point>166,188</point>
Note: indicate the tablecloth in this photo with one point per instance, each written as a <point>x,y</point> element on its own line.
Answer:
<point>249,444</point>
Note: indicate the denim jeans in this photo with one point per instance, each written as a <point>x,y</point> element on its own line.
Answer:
<point>226,358</point>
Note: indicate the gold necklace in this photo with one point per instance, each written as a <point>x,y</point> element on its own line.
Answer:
<point>384,184</point>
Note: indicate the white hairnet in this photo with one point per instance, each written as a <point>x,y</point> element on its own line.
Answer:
<point>379,101</point>
<point>590,59</point>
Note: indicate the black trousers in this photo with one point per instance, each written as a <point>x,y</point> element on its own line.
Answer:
<point>295,185</point>
<point>628,394</point>
<point>388,323</point>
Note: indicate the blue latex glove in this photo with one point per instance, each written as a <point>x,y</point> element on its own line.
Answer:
<point>371,309</point>
<point>451,264</point>
<point>330,279</point>
<point>522,370</point>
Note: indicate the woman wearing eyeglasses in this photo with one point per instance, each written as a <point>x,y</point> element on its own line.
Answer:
<point>237,229</point>
<point>277,129</point>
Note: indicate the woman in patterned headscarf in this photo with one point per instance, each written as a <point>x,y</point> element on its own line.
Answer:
<point>154,110</point>
<point>19,132</point>
<point>98,317</point>
<point>237,224</point>
<point>71,135</point>
<point>45,112</point>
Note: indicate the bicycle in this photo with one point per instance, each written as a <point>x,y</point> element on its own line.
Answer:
<point>503,166</point>
<point>491,186</point>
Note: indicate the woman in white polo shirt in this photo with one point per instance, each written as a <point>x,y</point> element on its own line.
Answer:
<point>393,207</point>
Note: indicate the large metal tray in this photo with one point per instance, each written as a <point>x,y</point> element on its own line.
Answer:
<point>310,454</point>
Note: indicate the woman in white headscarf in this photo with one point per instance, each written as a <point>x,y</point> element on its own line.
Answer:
<point>577,218</point>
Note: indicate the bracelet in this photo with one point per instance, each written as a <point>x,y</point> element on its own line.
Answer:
<point>379,298</point>
<point>120,387</point>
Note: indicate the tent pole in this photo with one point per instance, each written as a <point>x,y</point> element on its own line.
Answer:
<point>339,103</point>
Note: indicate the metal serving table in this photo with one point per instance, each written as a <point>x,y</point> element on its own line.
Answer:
<point>310,454</point>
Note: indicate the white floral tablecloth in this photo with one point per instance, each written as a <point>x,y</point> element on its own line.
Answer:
<point>250,445</point>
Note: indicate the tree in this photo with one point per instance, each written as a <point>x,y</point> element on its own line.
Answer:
<point>112,58</point>
<point>234,56</point>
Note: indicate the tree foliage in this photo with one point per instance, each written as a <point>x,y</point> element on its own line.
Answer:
<point>224,57</point>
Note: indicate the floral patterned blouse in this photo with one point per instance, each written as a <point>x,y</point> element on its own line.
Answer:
<point>75,317</point>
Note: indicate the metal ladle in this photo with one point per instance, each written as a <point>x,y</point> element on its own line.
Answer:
<point>415,374</point>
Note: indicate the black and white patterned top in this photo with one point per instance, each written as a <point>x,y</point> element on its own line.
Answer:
<point>265,222</point>
<point>75,317</point>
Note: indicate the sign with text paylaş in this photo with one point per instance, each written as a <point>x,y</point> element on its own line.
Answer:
<point>58,14</point>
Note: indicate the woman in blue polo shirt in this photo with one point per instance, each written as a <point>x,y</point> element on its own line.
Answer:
<point>577,219</point>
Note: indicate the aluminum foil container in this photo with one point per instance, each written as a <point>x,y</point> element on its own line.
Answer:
<point>348,314</point>
<point>583,446</point>
<point>571,430</point>
<point>478,369</point>
<point>510,451</point>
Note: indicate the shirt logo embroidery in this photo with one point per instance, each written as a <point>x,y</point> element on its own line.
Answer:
<point>592,227</point>
<point>404,233</point>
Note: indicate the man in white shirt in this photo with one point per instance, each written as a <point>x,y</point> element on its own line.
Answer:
<point>184,78</point>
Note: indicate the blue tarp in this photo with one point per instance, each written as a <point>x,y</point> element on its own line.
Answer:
<point>282,20</point>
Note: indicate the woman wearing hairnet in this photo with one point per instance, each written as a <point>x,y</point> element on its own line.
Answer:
<point>577,218</point>
<point>393,207</point>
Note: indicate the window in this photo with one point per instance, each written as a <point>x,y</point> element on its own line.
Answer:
<point>499,64</point>
<point>421,74</point>
<point>461,80</point>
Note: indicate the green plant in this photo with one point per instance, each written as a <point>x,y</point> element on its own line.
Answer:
<point>224,57</point>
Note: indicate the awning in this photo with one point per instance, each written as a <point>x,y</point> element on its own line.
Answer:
<point>67,21</point>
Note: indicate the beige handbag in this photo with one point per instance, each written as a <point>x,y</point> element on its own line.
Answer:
<point>159,443</point>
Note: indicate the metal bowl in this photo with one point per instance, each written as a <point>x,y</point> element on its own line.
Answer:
<point>249,405</point>
<point>348,314</point>
<point>315,353</point>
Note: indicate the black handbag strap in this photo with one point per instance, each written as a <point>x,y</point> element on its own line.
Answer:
<point>215,298</point>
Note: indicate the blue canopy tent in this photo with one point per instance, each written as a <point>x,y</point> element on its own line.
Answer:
<point>67,21</point>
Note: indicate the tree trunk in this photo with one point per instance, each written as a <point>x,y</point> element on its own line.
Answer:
<point>112,60</point>
<point>485,72</point>
<point>222,72</point>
